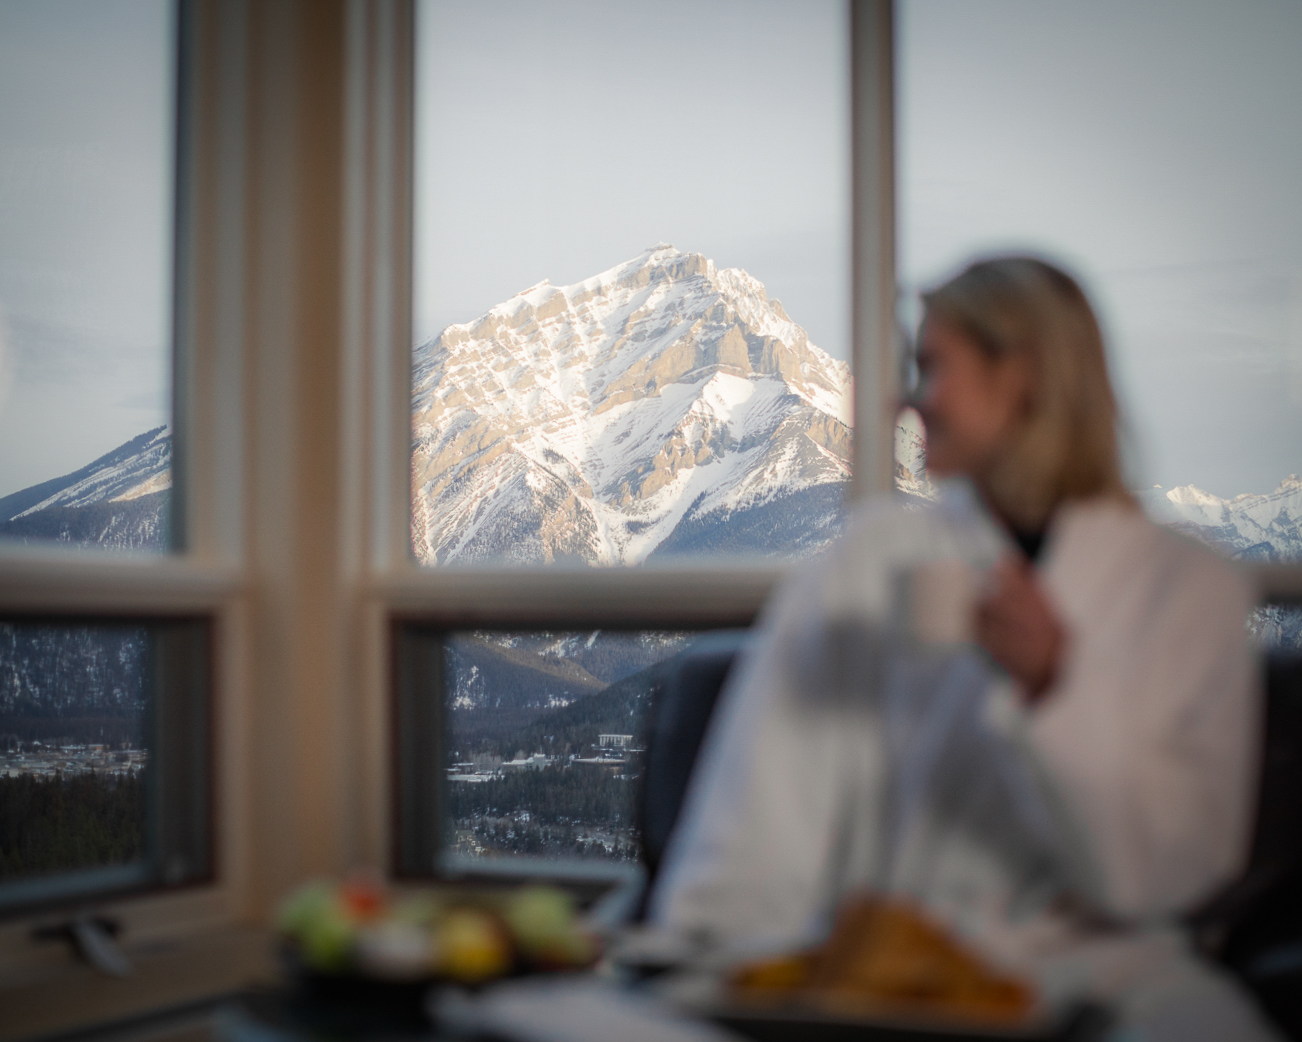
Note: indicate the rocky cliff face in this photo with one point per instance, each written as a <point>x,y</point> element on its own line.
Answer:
<point>661,406</point>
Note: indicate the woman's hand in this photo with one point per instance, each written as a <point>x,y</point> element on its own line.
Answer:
<point>1017,625</point>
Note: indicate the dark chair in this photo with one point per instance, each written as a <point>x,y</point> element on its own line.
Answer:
<point>676,723</point>
<point>1255,927</point>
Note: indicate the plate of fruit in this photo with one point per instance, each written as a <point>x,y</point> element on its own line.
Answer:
<point>362,931</point>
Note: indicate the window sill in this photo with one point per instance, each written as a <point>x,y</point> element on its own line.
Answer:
<point>713,594</point>
<point>168,975</point>
<point>39,579</point>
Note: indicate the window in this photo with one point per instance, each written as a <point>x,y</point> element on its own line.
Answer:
<point>104,757</point>
<point>111,714</point>
<point>1142,147</point>
<point>292,502</point>
<point>632,338</point>
<point>86,147</point>
<point>106,698</point>
<point>631,297</point>
<point>295,328</point>
<point>72,727</point>
<point>540,740</point>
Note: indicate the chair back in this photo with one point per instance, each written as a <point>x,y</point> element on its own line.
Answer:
<point>1255,926</point>
<point>676,724</point>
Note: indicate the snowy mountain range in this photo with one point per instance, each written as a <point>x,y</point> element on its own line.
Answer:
<point>1265,528</point>
<point>662,406</point>
<point>1248,527</point>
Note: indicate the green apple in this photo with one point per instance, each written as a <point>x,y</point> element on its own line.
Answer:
<point>539,916</point>
<point>319,924</point>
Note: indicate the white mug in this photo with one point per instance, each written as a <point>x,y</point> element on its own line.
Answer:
<point>939,601</point>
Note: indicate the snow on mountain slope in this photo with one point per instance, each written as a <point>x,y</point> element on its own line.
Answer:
<point>590,423</point>
<point>1249,527</point>
<point>144,467</point>
<point>119,500</point>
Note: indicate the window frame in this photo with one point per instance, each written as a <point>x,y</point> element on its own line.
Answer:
<point>383,112</point>
<point>195,583</point>
<point>179,790</point>
<point>675,594</point>
<point>293,270</point>
<point>418,725</point>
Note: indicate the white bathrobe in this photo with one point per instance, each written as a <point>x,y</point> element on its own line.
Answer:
<point>845,755</point>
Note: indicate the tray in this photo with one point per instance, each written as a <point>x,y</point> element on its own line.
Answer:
<point>1084,1022</point>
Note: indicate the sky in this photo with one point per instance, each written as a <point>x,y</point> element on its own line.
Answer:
<point>1153,148</point>
<point>556,140</point>
<point>1156,150</point>
<point>85,226</point>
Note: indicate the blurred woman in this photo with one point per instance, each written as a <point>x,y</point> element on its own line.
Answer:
<point>1023,706</point>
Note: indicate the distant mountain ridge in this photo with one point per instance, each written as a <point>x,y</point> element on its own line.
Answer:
<point>502,682</point>
<point>1263,528</point>
<point>1249,527</point>
<point>664,404</point>
<point>119,500</point>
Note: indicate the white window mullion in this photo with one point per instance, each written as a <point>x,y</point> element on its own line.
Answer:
<point>873,298</point>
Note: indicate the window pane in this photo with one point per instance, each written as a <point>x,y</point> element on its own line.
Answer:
<point>73,751</point>
<point>1151,149</point>
<point>104,756</point>
<point>585,392</point>
<point>85,271</point>
<point>545,740</point>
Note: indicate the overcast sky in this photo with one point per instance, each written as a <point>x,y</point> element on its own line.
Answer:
<point>1156,149</point>
<point>85,225</point>
<point>556,140</point>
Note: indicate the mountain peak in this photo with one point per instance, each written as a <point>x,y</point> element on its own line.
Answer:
<point>593,421</point>
<point>544,284</point>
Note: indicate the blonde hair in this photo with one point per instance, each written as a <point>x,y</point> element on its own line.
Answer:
<point>1067,446</point>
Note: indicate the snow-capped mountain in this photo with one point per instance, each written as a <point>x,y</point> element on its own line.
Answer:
<point>1248,527</point>
<point>664,405</point>
<point>119,500</point>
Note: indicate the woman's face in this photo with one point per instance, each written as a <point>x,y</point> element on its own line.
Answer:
<point>972,405</point>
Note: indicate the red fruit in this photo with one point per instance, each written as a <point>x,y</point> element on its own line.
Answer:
<point>362,899</point>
